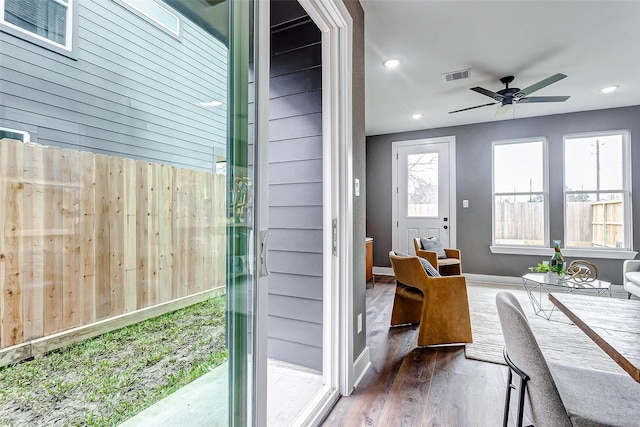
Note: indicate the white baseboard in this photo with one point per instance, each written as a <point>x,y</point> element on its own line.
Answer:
<point>361,366</point>
<point>383,271</point>
<point>493,280</point>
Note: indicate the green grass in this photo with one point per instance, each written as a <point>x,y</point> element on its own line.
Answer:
<point>108,379</point>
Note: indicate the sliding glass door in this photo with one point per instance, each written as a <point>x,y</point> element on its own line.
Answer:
<point>127,229</point>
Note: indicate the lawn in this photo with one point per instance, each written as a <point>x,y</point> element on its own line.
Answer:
<point>108,379</point>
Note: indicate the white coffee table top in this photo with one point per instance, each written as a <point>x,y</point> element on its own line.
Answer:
<point>544,279</point>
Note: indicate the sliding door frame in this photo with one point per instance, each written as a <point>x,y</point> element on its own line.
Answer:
<point>335,24</point>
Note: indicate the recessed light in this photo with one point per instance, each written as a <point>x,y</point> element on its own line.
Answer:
<point>211,104</point>
<point>608,89</point>
<point>416,116</point>
<point>391,63</point>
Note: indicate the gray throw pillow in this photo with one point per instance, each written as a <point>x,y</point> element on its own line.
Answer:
<point>433,244</point>
<point>428,268</point>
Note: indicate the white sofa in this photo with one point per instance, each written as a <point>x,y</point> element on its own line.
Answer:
<point>631,273</point>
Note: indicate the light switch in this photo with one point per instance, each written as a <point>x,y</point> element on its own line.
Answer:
<point>357,187</point>
<point>465,203</point>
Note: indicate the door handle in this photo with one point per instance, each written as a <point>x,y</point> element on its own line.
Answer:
<point>446,227</point>
<point>264,252</point>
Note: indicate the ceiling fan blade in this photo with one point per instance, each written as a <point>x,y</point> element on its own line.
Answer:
<point>532,99</point>
<point>502,110</point>
<point>471,108</point>
<point>488,93</point>
<point>542,83</point>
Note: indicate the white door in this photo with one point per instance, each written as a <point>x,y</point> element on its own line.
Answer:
<point>423,181</point>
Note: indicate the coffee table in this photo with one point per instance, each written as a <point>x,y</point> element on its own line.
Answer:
<point>539,285</point>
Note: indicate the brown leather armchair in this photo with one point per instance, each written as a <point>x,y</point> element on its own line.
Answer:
<point>439,304</point>
<point>449,266</point>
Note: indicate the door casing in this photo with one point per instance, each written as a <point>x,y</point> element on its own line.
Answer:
<point>451,142</point>
<point>335,23</point>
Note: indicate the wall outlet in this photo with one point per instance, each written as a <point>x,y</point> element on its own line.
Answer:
<point>465,203</point>
<point>357,187</point>
<point>359,323</point>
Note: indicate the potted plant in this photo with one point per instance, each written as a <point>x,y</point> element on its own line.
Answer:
<point>556,272</point>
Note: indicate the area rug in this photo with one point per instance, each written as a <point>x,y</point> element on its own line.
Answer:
<point>559,339</point>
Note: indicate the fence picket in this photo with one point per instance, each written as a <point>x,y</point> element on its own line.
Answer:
<point>33,246</point>
<point>87,229</point>
<point>129,239</point>
<point>142,233</point>
<point>103,241</point>
<point>53,262</point>
<point>116,233</point>
<point>165,236</point>
<point>12,315</point>
<point>72,295</point>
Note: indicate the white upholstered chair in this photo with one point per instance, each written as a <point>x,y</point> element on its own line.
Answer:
<point>631,277</point>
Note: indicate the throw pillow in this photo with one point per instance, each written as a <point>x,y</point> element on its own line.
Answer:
<point>428,268</point>
<point>433,244</point>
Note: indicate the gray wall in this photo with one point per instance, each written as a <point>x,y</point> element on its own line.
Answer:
<point>133,90</point>
<point>359,171</point>
<point>473,165</point>
<point>295,188</point>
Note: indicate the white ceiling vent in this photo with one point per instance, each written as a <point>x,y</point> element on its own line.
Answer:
<point>456,75</point>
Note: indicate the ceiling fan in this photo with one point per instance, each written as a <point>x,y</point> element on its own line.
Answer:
<point>514,95</point>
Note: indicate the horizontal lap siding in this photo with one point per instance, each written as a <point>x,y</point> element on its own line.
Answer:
<point>295,192</point>
<point>134,91</point>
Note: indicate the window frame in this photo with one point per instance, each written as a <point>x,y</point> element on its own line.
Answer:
<point>67,49</point>
<point>509,248</point>
<point>25,135</point>
<point>625,191</point>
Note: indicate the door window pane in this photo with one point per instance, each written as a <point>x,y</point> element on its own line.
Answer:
<point>422,185</point>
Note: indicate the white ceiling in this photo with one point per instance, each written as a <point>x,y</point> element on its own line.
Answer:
<point>596,43</point>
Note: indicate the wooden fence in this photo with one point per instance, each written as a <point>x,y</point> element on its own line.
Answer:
<point>607,223</point>
<point>520,222</point>
<point>589,224</point>
<point>86,237</point>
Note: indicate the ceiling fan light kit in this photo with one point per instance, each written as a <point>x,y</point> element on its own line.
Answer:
<point>513,95</point>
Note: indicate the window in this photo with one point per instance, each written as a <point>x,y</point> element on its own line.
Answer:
<point>156,13</point>
<point>597,190</point>
<point>48,21</point>
<point>20,135</point>
<point>520,193</point>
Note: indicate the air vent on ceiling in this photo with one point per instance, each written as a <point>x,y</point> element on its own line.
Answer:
<point>456,75</point>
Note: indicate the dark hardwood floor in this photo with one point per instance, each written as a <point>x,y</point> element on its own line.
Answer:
<point>411,386</point>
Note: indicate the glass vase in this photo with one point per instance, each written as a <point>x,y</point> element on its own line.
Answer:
<point>557,259</point>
